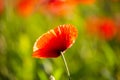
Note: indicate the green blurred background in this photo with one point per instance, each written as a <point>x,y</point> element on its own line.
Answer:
<point>90,58</point>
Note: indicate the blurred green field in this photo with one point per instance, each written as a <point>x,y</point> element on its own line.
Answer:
<point>92,57</point>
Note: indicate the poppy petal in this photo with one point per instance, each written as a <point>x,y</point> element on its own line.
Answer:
<point>57,40</point>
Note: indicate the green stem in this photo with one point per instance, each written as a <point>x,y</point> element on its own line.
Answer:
<point>64,60</point>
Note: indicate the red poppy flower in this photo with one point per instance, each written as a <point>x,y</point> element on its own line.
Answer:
<point>26,7</point>
<point>55,41</point>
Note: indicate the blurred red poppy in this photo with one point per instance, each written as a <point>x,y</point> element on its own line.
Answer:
<point>103,28</point>
<point>58,7</point>
<point>55,41</point>
<point>26,7</point>
<point>1,6</point>
<point>92,23</point>
<point>107,29</point>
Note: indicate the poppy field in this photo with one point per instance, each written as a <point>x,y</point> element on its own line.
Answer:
<point>59,39</point>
